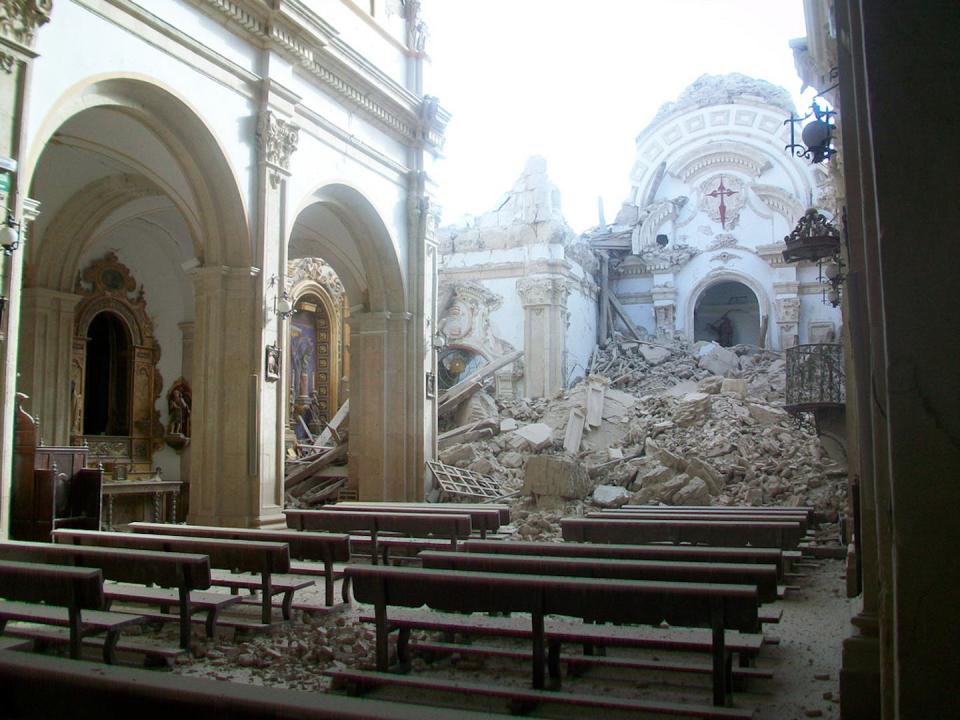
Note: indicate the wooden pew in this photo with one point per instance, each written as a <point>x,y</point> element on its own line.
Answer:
<point>719,607</point>
<point>35,686</point>
<point>696,515</point>
<point>502,510</point>
<point>483,519</point>
<point>784,535</point>
<point>326,548</point>
<point>72,597</point>
<point>762,577</point>
<point>803,510</point>
<point>421,529</point>
<point>186,574</point>
<point>667,553</point>
<point>267,559</point>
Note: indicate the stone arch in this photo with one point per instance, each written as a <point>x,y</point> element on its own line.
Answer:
<point>731,276</point>
<point>376,282</point>
<point>219,223</point>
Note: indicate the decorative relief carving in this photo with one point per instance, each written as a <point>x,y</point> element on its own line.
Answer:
<point>543,291</point>
<point>788,310</point>
<point>277,139</point>
<point>724,257</point>
<point>465,308</point>
<point>666,320</point>
<point>318,271</point>
<point>722,197</point>
<point>721,241</point>
<point>7,62</point>
<point>645,234</point>
<point>19,19</point>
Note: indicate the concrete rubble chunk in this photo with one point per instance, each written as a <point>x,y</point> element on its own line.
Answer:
<point>706,472</point>
<point>458,455</point>
<point>536,436</point>
<point>508,425</point>
<point>711,384</point>
<point>654,354</point>
<point>694,492</point>
<point>692,408</point>
<point>718,360</point>
<point>734,387</point>
<point>767,415</point>
<point>610,496</point>
<point>574,432</point>
<point>552,478</point>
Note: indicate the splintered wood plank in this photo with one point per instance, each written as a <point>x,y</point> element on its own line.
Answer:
<point>574,433</point>
<point>596,389</point>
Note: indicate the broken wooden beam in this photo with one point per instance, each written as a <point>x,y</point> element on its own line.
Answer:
<point>312,468</point>
<point>465,388</point>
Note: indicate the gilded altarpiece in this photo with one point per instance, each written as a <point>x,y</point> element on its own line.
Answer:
<point>109,287</point>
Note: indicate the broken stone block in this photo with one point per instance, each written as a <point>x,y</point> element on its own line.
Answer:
<point>692,408</point>
<point>711,384</point>
<point>508,425</point>
<point>511,460</point>
<point>694,492</point>
<point>536,437</point>
<point>706,472</point>
<point>458,455</point>
<point>652,477</point>
<point>482,466</point>
<point>664,456</point>
<point>718,360</point>
<point>654,355</point>
<point>734,387</point>
<point>610,496</point>
<point>555,477</point>
<point>767,415</point>
<point>672,486</point>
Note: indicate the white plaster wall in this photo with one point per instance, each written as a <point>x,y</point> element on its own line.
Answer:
<point>641,314</point>
<point>581,334</point>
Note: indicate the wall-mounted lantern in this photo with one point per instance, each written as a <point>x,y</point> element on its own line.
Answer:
<point>282,305</point>
<point>816,137</point>
<point>816,239</point>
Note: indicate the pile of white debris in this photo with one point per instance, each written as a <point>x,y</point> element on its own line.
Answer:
<point>677,424</point>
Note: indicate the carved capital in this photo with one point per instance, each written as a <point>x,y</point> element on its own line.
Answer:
<point>277,140</point>
<point>315,270</point>
<point>543,291</point>
<point>19,19</point>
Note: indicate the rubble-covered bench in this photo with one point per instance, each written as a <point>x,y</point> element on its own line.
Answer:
<point>669,553</point>
<point>36,686</point>
<point>805,511</point>
<point>600,600</point>
<point>265,561</point>
<point>482,519</point>
<point>656,514</point>
<point>419,530</point>
<point>325,548</point>
<point>72,597</point>
<point>762,577</point>
<point>180,577</point>
<point>784,535</point>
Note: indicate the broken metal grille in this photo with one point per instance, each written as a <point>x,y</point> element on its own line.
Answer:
<point>468,483</point>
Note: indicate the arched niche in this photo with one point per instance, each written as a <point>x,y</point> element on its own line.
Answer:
<point>317,344</point>
<point>728,310</point>
<point>111,299</point>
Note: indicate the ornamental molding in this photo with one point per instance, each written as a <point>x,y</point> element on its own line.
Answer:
<point>7,62</point>
<point>314,271</point>
<point>543,291</point>
<point>722,197</point>
<point>20,19</point>
<point>314,45</point>
<point>780,201</point>
<point>715,157</point>
<point>645,234</point>
<point>277,140</point>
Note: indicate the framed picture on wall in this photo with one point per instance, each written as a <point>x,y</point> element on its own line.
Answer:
<point>271,371</point>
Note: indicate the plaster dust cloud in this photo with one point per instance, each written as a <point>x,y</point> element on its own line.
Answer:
<point>576,83</point>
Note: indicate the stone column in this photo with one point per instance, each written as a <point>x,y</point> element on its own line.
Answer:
<point>47,322</point>
<point>665,308</point>
<point>224,481</point>
<point>544,301</point>
<point>380,429</point>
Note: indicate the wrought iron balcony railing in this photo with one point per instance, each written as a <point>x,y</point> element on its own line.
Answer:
<point>815,377</point>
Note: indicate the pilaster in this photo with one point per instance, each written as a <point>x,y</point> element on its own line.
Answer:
<point>544,302</point>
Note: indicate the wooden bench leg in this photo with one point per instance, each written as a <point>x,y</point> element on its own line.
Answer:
<point>721,659</point>
<point>210,625</point>
<point>345,590</point>
<point>74,617</point>
<point>403,649</point>
<point>266,601</point>
<point>287,606</point>
<point>185,612</point>
<point>538,648</point>
<point>328,583</point>
<point>553,662</point>
<point>380,621</point>
<point>110,646</point>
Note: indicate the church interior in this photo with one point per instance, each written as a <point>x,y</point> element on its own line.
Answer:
<point>274,442</point>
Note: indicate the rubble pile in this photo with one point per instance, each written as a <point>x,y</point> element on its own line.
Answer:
<point>677,424</point>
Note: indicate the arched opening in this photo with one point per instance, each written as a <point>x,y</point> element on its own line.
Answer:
<point>314,362</point>
<point>727,312</point>
<point>106,397</point>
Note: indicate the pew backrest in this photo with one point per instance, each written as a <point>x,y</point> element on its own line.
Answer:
<point>60,585</point>
<point>784,535</point>
<point>412,524</point>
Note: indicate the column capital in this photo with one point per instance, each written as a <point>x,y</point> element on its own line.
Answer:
<point>545,290</point>
<point>277,140</point>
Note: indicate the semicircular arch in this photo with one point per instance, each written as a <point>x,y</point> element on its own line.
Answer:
<point>720,276</point>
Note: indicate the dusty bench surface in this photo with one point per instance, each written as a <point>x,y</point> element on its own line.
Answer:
<point>58,689</point>
<point>268,559</point>
<point>186,573</point>
<point>73,598</point>
<point>804,510</point>
<point>784,535</point>
<point>763,577</point>
<point>482,519</point>
<point>502,510</point>
<point>670,553</point>
<point>695,515</point>
<point>718,606</point>
<point>326,548</point>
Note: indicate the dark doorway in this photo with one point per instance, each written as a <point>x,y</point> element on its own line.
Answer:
<point>106,385</point>
<point>728,313</point>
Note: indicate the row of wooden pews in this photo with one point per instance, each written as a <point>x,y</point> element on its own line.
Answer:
<point>710,568</point>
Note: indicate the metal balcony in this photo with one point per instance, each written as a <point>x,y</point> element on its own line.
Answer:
<point>815,378</point>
